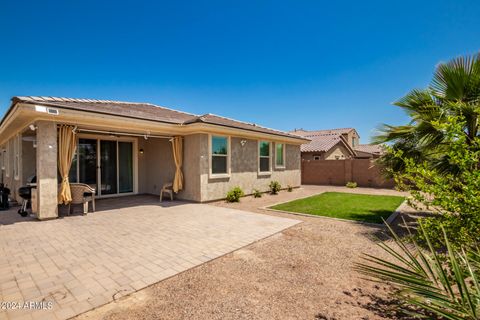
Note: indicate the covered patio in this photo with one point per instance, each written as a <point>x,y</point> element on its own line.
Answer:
<point>81,262</point>
<point>113,163</point>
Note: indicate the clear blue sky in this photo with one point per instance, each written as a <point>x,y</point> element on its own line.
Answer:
<point>282,64</point>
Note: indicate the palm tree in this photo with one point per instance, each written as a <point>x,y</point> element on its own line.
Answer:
<point>454,90</point>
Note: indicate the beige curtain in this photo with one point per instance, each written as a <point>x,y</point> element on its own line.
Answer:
<point>177,145</point>
<point>67,144</point>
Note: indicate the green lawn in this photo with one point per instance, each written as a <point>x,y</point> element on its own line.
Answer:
<point>359,207</point>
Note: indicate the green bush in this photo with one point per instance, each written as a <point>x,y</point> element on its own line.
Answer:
<point>351,184</point>
<point>274,187</point>
<point>289,188</point>
<point>452,197</point>
<point>464,229</point>
<point>234,195</point>
<point>257,193</point>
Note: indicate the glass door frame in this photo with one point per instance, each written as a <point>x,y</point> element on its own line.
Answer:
<point>98,138</point>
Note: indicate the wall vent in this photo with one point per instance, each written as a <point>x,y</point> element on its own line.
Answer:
<point>52,111</point>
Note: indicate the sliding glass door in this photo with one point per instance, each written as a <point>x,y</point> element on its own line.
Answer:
<point>106,165</point>
<point>125,167</point>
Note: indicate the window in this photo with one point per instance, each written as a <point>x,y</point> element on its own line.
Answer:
<point>317,158</point>
<point>16,156</point>
<point>219,160</point>
<point>353,142</point>
<point>264,156</point>
<point>279,155</point>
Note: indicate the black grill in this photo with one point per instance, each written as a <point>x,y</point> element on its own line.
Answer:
<point>25,193</point>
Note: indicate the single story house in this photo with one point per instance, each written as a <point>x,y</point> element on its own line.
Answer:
<point>124,148</point>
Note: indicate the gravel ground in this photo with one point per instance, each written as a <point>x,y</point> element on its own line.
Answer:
<point>304,272</point>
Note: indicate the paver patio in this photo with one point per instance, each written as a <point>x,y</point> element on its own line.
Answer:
<point>82,262</point>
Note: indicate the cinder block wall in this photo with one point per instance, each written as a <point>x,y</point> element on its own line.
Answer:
<point>338,172</point>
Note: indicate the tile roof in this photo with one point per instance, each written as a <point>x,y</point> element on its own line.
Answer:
<point>322,143</point>
<point>323,140</point>
<point>146,111</point>
<point>227,122</point>
<point>306,133</point>
<point>119,108</point>
<point>370,148</point>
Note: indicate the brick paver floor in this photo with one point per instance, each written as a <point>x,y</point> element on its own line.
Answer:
<point>77,263</point>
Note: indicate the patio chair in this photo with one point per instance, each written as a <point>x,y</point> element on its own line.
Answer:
<point>82,194</point>
<point>168,189</point>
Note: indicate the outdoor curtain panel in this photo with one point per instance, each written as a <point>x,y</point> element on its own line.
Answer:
<point>177,146</point>
<point>67,144</point>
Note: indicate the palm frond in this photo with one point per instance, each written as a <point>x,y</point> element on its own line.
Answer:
<point>450,290</point>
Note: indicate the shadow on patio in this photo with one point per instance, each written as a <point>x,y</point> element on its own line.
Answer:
<point>11,216</point>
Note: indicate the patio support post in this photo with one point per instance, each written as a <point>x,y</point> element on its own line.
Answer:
<point>47,183</point>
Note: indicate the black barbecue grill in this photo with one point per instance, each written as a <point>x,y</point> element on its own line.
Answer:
<point>25,193</point>
<point>4,193</point>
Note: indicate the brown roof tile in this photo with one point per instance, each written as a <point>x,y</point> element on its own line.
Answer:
<point>128,109</point>
<point>227,122</point>
<point>370,148</point>
<point>147,111</point>
<point>307,133</point>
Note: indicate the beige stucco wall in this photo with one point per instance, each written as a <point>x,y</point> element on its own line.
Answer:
<point>310,155</point>
<point>352,135</point>
<point>155,165</point>
<point>47,173</point>
<point>244,169</point>
<point>338,151</point>
<point>194,151</point>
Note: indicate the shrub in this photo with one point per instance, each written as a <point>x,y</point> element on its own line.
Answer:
<point>274,187</point>
<point>446,285</point>
<point>453,197</point>
<point>289,188</point>
<point>351,184</point>
<point>464,229</point>
<point>257,193</point>
<point>234,195</point>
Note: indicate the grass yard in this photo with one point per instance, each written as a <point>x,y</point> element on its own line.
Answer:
<point>358,207</point>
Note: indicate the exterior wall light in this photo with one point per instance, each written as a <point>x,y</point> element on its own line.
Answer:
<point>141,151</point>
<point>243,142</point>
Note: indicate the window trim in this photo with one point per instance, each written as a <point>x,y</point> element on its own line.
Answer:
<point>284,158</point>
<point>269,172</point>
<point>212,175</point>
<point>16,157</point>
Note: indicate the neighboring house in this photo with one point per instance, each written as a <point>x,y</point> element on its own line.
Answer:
<point>336,144</point>
<point>356,160</point>
<point>333,144</point>
<point>369,151</point>
<point>128,148</point>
